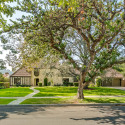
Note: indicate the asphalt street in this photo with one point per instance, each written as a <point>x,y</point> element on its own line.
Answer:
<point>68,115</point>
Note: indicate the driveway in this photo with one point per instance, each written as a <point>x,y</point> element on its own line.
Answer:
<point>80,115</point>
<point>121,88</point>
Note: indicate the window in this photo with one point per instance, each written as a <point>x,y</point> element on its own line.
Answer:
<point>36,71</point>
<point>17,80</point>
<point>65,80</point>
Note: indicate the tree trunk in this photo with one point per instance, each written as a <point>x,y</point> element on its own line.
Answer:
<point>80,94</point>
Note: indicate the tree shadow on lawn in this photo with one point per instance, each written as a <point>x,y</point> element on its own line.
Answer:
<point>104,100</point>
<point>19,110</point>
<point>58,89</point>
<point>104,91</point>
<point>114,115</point>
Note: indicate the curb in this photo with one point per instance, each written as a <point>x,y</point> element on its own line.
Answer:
<point>64,105</point>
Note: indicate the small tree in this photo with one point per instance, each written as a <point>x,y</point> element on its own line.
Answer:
<point>45,82</point>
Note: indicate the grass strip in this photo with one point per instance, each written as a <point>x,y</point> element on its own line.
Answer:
<point>6,101</point>
<point>72,91</point>
<point>15,92</point>
<point>73,100</point>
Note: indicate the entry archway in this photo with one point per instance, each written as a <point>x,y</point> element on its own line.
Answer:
<point>37,81</point>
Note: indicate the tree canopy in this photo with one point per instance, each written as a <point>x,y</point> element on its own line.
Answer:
<point>6,10</point>
<point>90,36</point>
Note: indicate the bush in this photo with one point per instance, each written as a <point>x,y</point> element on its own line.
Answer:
<point>24,85</point>
<point>6,79</point>
<point>49,84</point>
<point>70,84</point>
<point>1,85</point>
<point>7,85</point>
<point>91,85</point>
<point>39,84</point>
<point>58,84</point>
<point>4,85</point>
<point>76,84</point>
<point>67,84</point>
<point>98,82</point>
<point>45,81</point>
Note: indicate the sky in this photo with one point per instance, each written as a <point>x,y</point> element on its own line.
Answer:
<point>17,14</point>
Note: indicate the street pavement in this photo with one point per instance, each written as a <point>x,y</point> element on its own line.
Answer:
<point>68,115</point>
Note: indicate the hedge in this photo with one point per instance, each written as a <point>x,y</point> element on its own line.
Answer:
<point>39,84</point>
<point>4,85</point>
<point>76,84</point>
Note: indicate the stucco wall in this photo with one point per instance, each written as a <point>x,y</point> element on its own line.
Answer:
<point>53,76</point>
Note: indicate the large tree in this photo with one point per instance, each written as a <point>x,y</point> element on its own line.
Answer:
<point>89,36</point>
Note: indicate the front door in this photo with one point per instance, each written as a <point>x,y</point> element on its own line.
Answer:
<point>37,81</point>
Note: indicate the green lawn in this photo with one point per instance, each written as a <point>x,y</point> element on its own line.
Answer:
<point>72,91</point>
<point>103,100</point>
<point>15,92</point>
<point>47,101</point>
<point>73,100</point>
<point>103,91</point>
<point>6,101</point>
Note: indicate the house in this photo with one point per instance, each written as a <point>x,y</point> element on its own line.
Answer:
<point>55,76</point>
<point>112,77</point>
<point>23,76</point>
<point>6,73</point>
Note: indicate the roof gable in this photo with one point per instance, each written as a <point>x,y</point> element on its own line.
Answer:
<point>21,72</point>
<point>113,73</point>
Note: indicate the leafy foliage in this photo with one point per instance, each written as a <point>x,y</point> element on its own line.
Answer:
<point>3,79</point>
<point>2,64</point>
<point>89,36</point>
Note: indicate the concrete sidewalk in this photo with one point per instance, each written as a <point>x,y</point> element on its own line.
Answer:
<point>121,88</point>
<point>29,96</point>
<point>21,99</point>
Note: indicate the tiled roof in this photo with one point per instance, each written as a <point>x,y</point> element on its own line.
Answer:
<point>113,73</point>
<point>21,72</point>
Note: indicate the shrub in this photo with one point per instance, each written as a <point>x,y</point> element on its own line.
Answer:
<point>1,85</point>
<point>70,84</point>
<point>49,83</point>
<point>6,84</point>
<point>76,84</point>
<point>45,81</point>
<point>24,85</point>
<point>67,84</point>
<point>58,84</point>
<point>98,81</point>
<point>6,79</point>
<point>91,85</point>
<point>39,84</point>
